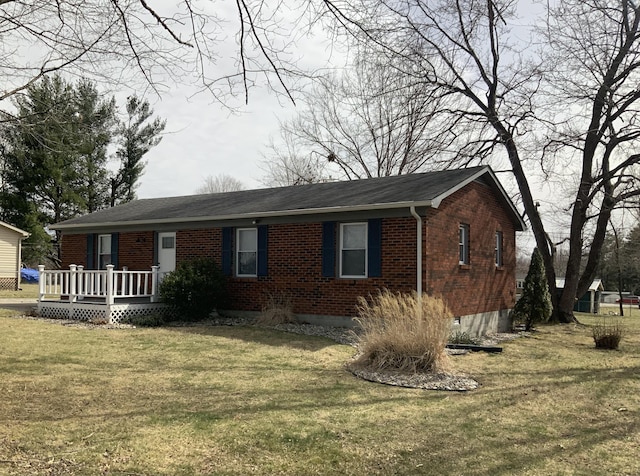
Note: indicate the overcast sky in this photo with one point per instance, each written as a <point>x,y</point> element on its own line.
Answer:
<point>202,139</point>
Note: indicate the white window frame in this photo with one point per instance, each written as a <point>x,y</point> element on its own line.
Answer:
<point>499,243</point>
<point>463,244</point>
<point>238,251</point>
<point>102,252</point>
<point>366,250</point>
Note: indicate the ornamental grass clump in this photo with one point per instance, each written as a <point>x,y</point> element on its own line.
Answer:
<point>400,332</point>
<point>607,335</point>
<point>277,309</point>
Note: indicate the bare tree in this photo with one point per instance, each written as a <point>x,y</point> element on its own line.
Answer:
<point>121,41</point>
<point>220,183</point>
<point>288,163</point>
<point>587,72</point>
<point>370,121</point>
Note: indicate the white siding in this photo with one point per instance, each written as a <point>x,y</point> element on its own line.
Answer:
<point>9,258</point>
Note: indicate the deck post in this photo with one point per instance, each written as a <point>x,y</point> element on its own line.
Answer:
<point>154,284</point>
<point>110,299</point>
<point>81,282</point>
<point>72,282</point>
<point>41,283</point>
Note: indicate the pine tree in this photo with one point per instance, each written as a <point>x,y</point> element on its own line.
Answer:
<point>534,305</point>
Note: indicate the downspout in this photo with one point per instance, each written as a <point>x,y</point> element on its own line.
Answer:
<point>418,253</point>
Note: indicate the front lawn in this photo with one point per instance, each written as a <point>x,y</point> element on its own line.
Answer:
<point>232,400</point>
<point>26,291</point>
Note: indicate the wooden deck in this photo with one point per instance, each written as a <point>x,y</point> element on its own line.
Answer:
<point>106,295</point>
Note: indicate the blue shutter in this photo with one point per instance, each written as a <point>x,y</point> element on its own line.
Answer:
<point>262,250</point>
<point>155,248</point>
<point>328,249</point>
<point>227,244</point>
<point>374,246</point>
<point>114,249</point>
<point>90,251</point>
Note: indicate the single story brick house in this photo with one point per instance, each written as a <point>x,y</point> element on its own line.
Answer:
<point>447,233</point>
<point>10,255</point>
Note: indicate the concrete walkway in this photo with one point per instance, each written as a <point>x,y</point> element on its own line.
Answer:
<point>22,305</point>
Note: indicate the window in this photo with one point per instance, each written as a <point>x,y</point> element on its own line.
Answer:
<point>464,243</point>
<point>353,250</point>
<point>247,252</point>
<point>168,242</point>
<point>499,262</point>
<point>104,251</point>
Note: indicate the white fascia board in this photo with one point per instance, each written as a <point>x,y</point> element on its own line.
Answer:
<point>280,213</point>
<point>17,230</point>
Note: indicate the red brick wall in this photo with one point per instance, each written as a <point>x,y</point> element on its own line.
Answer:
<point>295,259</point>
<point>74,250</point>
<point>480,286</point>
<point>135,250</point>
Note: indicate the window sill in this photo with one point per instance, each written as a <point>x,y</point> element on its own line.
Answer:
<point>500,268</point>
<point>464,266</point>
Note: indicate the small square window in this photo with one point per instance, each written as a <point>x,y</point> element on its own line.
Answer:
<point>247,252</point>
<point>353,250</point>
<point>463,243</point>
<point>168,242</point>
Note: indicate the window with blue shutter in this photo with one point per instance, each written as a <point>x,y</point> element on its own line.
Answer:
<point>114,249</point>
<point>328,249</point>
<point>227,243</point>
<point>262,250</point>
<point>374,248</point>
<point>90,251</point>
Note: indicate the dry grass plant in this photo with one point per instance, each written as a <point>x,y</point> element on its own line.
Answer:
<point>401,333</point>
<point>277,309</point>
<point>607,335</point>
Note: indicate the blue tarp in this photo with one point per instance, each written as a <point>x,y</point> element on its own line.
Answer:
<point>29,275</point>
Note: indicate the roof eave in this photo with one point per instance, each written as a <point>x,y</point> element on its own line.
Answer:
<point>246,216</point>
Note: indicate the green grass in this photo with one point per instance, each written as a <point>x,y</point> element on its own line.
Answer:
<point>27,291</point>
<point>230,400</point>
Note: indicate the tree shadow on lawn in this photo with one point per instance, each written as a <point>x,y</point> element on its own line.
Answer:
<point>259,335</point>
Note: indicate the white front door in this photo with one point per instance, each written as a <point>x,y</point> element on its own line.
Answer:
<point>166,252</point>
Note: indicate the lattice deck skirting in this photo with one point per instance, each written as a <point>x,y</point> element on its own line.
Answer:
<point>9,283</point>
<point>115,313</point>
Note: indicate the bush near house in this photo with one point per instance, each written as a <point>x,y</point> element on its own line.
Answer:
<point>194,289</point>
<point>401,332</point>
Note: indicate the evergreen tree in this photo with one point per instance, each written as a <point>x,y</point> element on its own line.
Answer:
<point>534,305</point>
<point>137,136</point>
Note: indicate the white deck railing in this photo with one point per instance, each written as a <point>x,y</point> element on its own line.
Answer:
<point>78,283</point>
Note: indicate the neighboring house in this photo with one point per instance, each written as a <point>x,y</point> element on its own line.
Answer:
<point>449,234</point>
<point>10,255</point>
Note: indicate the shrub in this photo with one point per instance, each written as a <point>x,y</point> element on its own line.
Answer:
<point>277,309</point>
<point>399,334</point>
<point>460,337</point>
<point>149,320</point>
<point>194,289</point>
<point>607,335</point>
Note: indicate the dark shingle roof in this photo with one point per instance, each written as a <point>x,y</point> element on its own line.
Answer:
<point>384,192</point>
